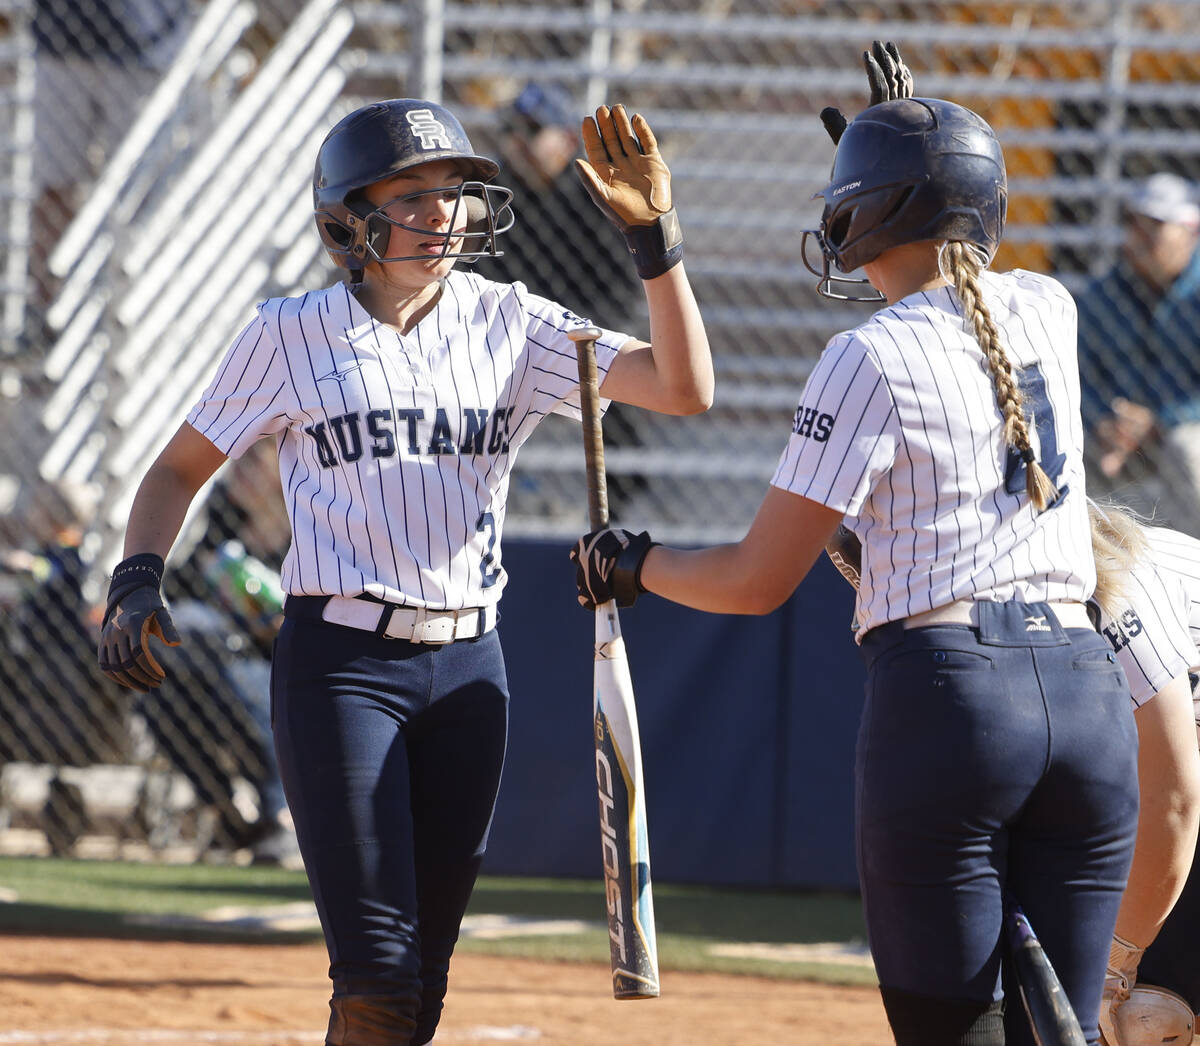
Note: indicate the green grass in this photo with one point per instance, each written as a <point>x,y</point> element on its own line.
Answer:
<point>690,919</point>
<point>99,898</point>
<point>114,899</point>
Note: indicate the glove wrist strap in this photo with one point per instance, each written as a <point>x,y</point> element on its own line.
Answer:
<point>637,572</point>
<point>144,565</point>
<point>655,248</point>
<point>627,570</point>
<point>138,571</point>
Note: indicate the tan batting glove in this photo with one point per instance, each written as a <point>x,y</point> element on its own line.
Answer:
<point>624,173</point>
<point>1119,978</point>
<point>845,552</point>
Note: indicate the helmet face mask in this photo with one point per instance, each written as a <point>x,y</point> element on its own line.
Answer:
<point>907,171</point>
<point>361,234</point>
<point>836,288</point>
<point>377,142</point>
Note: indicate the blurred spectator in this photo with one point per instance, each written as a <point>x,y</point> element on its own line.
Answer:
<point>1139,357</point>
<point>96,62</point>
<point>211,718</point>
<point>54,706</point>
<point>562,247</point>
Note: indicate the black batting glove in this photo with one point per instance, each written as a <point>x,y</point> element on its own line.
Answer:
<point>888,78</point>
<point>887,75</point>
<point>135,612</point>
<point>835,123</point>
<point>608,565</point>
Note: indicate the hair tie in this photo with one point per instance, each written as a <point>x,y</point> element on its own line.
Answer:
<point>1027,455</point>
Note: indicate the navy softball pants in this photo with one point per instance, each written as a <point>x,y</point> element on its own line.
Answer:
<point>390,754</point>
<point>991,761</point>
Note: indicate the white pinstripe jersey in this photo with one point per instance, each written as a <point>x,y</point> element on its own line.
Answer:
<point>898,427</point>
<point>1156,636</point>
<point>395,450</point>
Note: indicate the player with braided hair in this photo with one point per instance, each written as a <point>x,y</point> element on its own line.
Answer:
<point>1145,604</point>
<point>997,750</point>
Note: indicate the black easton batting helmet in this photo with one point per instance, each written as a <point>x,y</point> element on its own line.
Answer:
<point>380,140</point>
<point>908,170</point>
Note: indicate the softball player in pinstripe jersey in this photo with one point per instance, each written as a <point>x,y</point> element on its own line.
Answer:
<point>1148,592</point>
<point>398,403</point>
<point>997,751</point>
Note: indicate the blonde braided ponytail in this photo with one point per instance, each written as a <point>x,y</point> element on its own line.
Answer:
<point>961,264</point>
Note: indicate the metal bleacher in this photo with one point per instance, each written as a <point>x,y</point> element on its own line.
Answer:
<point>16,170</point>
<point>161,267</point>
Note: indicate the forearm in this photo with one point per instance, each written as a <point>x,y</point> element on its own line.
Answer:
<point>712,579</point>
<point>679,344</point>
<point>752,576</point>
<point>1161,862</point>
<point>1162,859</point>
<point>755,575</point>
<point>1169,786</point>
<point>165,494</point>
<point>158,512</point>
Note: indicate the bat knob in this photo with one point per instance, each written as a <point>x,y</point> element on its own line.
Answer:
<point>584,334</point>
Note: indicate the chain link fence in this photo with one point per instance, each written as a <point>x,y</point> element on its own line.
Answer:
<point>155,174</point>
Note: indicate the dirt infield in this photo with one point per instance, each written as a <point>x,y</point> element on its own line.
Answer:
<point>55,990</point>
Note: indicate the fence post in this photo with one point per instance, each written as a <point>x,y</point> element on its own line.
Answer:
<point>429,37</point>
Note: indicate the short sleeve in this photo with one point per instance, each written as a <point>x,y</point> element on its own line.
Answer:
<point>846,431</point>
<point>248,397</point>
<point>555,365</point>
<point>1150,634</point>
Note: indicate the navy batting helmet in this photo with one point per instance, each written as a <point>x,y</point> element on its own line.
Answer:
<point>908,170</point>
<point>380,140</point>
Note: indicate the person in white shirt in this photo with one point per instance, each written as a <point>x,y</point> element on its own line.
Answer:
<point>996,757</point>
<point>397,402</point>
<point>1148,596</point>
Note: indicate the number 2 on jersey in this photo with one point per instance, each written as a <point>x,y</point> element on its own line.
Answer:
<point>488,569</point>
<point>1039,408</point>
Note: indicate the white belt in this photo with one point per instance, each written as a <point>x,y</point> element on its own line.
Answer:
<point>966,612</point>
<point>416,624</point>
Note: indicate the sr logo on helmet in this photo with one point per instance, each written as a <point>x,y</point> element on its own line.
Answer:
<point>428,129</point>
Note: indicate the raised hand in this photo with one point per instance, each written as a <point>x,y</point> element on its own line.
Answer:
<point>888,78</point>
<point>624,172</point>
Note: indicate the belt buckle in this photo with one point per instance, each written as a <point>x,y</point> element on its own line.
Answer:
<point>434,629</point>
